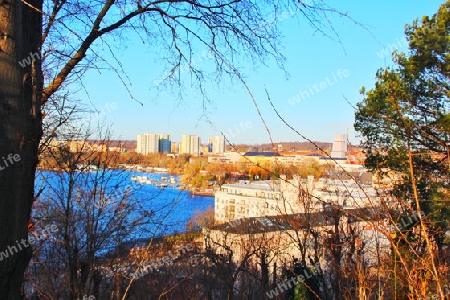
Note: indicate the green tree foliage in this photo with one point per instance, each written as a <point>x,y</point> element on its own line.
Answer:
<point>300,292</point>
<point>407,113</point>
<point>405,124</point>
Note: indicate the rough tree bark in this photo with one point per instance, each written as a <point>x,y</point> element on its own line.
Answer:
<point>20,133</point>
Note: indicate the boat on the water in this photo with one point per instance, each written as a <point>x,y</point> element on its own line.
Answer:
<point>162,185</point>
<point>142,179</point>
<point>163,182</point>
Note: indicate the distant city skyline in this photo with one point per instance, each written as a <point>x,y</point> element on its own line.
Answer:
<point>324,74</point>
<point>222,140</point>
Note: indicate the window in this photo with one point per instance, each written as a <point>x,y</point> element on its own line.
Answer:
<point>229,212</point>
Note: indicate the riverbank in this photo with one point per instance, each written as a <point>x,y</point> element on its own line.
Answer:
<point>137,168</point>
<point>205,194</point>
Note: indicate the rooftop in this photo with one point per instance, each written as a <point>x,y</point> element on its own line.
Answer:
<point>297,221</point>
<point>253,153</point>
<point>267,185</point>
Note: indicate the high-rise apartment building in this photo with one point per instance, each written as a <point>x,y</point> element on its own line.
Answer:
<point>147,143</point>
<point>190,144</point>
<point>216,144</point>
<point>164,143</point>
<point>153,143</point>
<point>339,149</point>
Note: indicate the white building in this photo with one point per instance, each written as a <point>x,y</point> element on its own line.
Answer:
<point>216,144</point>
<point>339,148</point>
<point>153,143</point>
<point>276,237</point>
<point>190,144</point>
<point>300,219</point>
<point>245,200</point>
<point>147,143</point>
<point>280,197</point>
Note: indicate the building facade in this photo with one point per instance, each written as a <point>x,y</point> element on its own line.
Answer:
<point>280,197</point>
<point>153,143</point>
<point>275,239</point>
<point>216,144</point>
<point>190,144</point>
<point>339,148</point>
<point>245,200</point>
<point>164,143</point>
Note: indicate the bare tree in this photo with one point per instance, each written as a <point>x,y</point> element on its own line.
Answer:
<point>95,213</point>
<point>69,37</point>
<point>241,257</point>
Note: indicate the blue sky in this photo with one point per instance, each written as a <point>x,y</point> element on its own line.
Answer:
<point>321,72</point>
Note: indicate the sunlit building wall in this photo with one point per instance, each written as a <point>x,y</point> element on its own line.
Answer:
<point>190,144</point>
<point>147,143</point>
<point>216,144</point>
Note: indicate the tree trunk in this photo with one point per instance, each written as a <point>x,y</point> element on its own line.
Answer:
<point>20,133</point>
<point>264,274</point>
